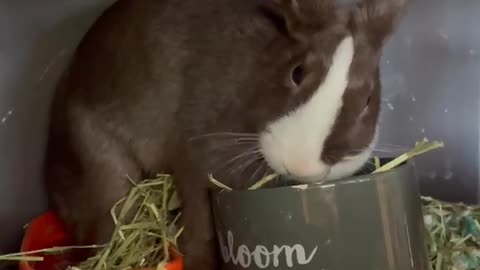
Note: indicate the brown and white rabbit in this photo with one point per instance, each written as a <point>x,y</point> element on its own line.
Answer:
<point>237,88</point>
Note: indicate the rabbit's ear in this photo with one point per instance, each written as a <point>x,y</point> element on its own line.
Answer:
<point>377,18</point>
<point>295,16</point>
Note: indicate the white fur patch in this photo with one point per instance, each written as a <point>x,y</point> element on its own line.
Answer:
<point>293,144</point>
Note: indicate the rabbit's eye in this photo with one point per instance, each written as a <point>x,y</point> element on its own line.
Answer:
<point>297,75</point>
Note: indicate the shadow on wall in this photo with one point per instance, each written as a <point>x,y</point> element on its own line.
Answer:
<point>38,49</point>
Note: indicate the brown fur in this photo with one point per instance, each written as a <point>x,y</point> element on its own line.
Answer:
<point>152,78</point>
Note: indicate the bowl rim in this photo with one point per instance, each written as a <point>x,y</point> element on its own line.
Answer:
<point>355,179</point>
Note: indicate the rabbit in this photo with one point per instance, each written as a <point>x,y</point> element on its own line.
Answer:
<point>233,88</point>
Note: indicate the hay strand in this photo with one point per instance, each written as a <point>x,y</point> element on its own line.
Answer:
<point>420,148</point>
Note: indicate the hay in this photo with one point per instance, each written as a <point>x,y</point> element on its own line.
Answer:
<point>452,230</point>
<point>31,256</point>
<point>452,235</point>
<point>144,234</point>
<point>267,179</point>
<point>145,240</point>
<point>421,147</point>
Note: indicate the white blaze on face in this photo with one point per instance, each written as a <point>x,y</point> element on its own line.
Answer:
<point>293,143</point>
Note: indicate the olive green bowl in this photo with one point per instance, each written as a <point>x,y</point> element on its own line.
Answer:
<point>365,222</point>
